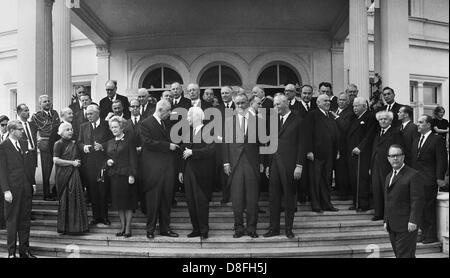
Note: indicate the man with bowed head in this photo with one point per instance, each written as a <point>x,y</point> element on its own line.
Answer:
<point>158,169</point>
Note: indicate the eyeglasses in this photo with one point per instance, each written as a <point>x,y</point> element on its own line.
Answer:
<point>395,155</point>
<point>135,106</point>
<point>3,124</point>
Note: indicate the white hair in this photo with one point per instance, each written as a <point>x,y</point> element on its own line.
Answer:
<point>142,91</point>
<point>162,104</point>
<point>360,100</point>
<point>196,112</point>
<point>380,114</point>
<point>62,127</point>
<point>65,110</point>
<point>94,108</point>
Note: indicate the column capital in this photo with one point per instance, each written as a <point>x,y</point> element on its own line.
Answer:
<point>103,51</point>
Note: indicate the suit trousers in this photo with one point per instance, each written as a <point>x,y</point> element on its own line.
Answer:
<point>320,189</point>
<point>46,151</point>
<point>2,211</point>
<point>198,202</point>
<point>341,176</point>
<point>159,201</point>
<point>304,183</point>
<point>98,196</point>
<point>244,194</point>
<point>18,217</point>
<point>281,190</point>
<point>378,188</point>
<point>429,229</point>
<point>403,243</point>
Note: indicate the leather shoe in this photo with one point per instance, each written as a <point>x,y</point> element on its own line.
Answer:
<point>352,208</point>
<point>428,241</point>
<point>253,235</point>
<point>170,234</point>
<point>204,236</point>
<point>238,234</point>
<point>106,222</point>
<point>194,234</point>
<point>150,235</point>
<point>49,199</point>
<point>290,234</point>
<point>121,233</point>
<point>127,235</point>
<point>362,209</point>
<point>376,218</point>
<point>317,210</point>
<point>271,233</point>
<point>27,255</point>
<point>332,209</point>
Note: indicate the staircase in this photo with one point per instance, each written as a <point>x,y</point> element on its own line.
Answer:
<point>341,234</point>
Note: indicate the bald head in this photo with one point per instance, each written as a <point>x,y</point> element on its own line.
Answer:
<point>111,87</point>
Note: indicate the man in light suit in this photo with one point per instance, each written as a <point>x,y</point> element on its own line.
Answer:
<point>429,157</point>
<point>241,165</point>
<point>404,200</point>
<point>158,162</point>
<point>17,184</point>
<point>285,168</point>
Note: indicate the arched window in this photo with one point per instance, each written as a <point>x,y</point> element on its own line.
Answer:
<point>159,80</point>
<point>275,77</point>
<point>218,76</point>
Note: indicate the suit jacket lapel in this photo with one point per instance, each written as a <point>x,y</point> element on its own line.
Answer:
<point>396,178</point>
<point>14,150</point>
<point>289,119</point>
<point>425,144</point>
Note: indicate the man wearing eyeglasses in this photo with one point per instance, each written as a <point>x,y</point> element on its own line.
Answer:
<point>404,201</point>
<point>112,95</point>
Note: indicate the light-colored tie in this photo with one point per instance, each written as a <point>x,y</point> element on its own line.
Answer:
<point>392,178</point>
<point>18,147</point>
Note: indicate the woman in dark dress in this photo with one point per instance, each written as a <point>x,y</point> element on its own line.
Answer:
<point>439,125</point>
<point>122,166</point>
<point>72,212</point>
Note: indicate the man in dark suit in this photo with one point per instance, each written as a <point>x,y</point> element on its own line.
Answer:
<point>133,130</point>
<point>178,99</point>
<point>290,91</point>
<point>429,157</point>
<point>404,200</point>
<point>227,104</point>
<point>408,129</point>
<point>146,109</point>
<point>77,105</point>
<point>112,95</point>
<point>326,88</point>
<point>321,148</point>
<point>17,184</point>
<point>286,166</point>
<point>343,116</point>
<point>80,117</point>
<point>306,102</point>
<point>158,168</point>
<point>194,95</point>
<point>359,141</point>
<point>47,122</point>
<point>391,105</point>
<point>93,134</point>
<point>241,165</point>
<point>196,172</point>
<point>386,136</point>
<point>30,132</point>
<point>3,136</point>
<point>118,110</point>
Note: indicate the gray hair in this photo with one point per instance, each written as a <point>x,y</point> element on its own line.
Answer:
<point>389,114</point>
<point>119,120</point>
<point>62,127</point>
<point>162,104</point>
<point>13,125</point>
<point>360,100</point>
<point>196,111</point>
<point>65,110</point>
<point>93,107</point>
<point>42,97</point>
<point>142,91</point>
<point>281,96</point>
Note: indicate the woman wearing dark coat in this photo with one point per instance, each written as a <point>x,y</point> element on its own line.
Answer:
<point>197,174</point>
<point>72,212</point>
<point>122,166</point>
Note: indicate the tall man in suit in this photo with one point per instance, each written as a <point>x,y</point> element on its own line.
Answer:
<point>47,122</point>
<point>391,105</point>
<point>290,91</point>
<point>112,95</point>
<point>286,166</point>
<point>77,105</point>
<point>321,148</point>
<point>307,103</point>
<point>241,165</point>
<point>385,137</point>
<point>408,129</point>
<point>158,162</point>
<point>93,134</point>
<point>343,116</point>
<point>146,108</point>
<point>194,95</point>
<point>404,200</point>
<point>326,88</point>
<point>17,184</point>
<point>429,157</point>
<point>30,132</point>
<point>360,138</point>
<point>3,136</point>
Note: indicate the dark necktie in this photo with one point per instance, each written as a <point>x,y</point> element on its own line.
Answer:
<point>2,138</point>
<point>18,147</point>
<point>420,144</point>
<point>401,127</point>
<point>389,108</point>
<point>307,106</point>
<point>382,133</point>
<point>163,125</point>
<point>30,139</point>
<point>95,125</point>
<point>134,120</point>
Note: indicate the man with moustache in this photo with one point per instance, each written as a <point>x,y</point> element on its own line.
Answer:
<point>47,122</point>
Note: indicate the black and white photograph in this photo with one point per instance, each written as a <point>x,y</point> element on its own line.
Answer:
<point>213,131</point>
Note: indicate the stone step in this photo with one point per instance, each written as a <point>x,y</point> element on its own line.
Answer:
<point>345,251</point>
<point>214,241</point>
<point>227,217</point>
<point>227,229</point>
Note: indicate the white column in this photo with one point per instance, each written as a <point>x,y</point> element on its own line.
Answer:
<point>103,72</point>
<point>337,67</point>
<point>419,99</point>
<point>62,60</point>
<point>34,51</point>
<point>359,47</point>
<point>395,47</point>
<point>377,40</point>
